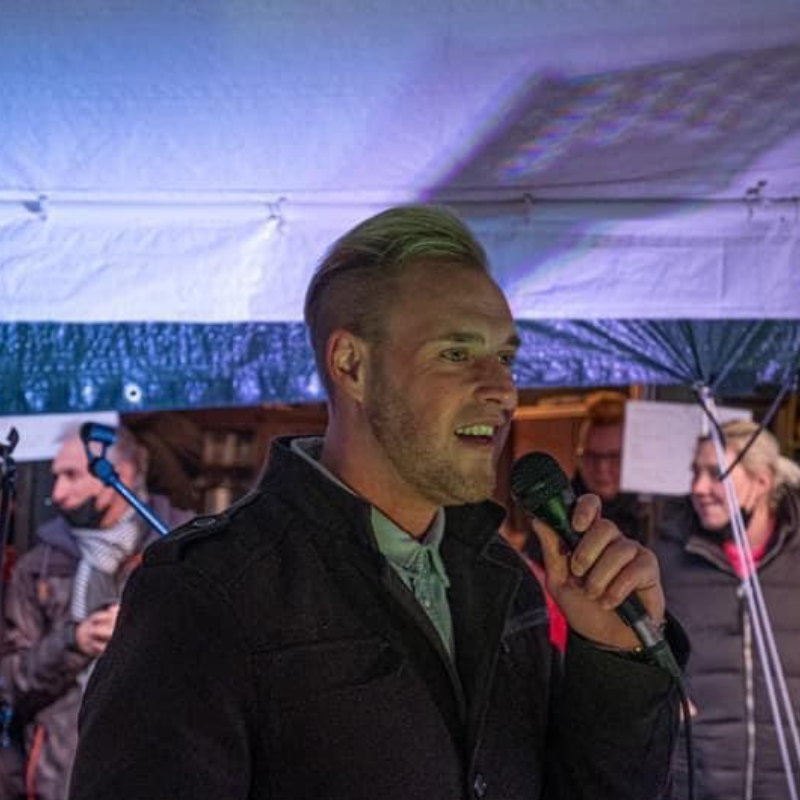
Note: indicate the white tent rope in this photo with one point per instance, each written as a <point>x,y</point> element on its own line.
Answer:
<point>762,626</point>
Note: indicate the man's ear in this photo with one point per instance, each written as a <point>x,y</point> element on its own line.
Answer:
<point>346,361</point>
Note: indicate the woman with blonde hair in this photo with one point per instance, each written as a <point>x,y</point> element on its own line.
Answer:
<point>736,745</point>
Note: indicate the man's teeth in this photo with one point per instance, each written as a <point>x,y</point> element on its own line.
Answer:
<point>476,430</point>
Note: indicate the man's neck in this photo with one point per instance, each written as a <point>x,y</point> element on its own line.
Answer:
<point>380,487</point>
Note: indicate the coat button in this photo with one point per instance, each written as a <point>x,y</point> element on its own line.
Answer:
<point>479,785</point>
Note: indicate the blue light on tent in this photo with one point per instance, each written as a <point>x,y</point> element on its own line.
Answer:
<point>36,396</point>
<point>247,387</point>
<point>88,394</point>
<point>195,392</point>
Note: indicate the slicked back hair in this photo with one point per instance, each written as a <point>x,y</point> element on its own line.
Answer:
<point>357,281</point>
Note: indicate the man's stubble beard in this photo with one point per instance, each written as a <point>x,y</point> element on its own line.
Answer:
<point>413,453</point>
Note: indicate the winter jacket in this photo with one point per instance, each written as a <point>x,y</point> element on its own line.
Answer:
<point>736,750</point>
<point>40,668</point>
<point>271,652</point>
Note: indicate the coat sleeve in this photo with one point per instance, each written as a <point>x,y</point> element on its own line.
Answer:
<point>170,709</point>
<point>38,665</point>
<point>614,726</point>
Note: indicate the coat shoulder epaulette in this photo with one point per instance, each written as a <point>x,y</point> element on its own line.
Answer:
<point>178,542</point>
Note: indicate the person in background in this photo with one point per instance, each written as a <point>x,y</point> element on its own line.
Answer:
<point>599,458</point>
<point>12,752</point>
<point>736,749</point>
<point>174,449</point>
<point>62,602</point>
<point>356,628</point>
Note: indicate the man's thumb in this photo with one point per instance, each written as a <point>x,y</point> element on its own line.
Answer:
<point>555,554</point>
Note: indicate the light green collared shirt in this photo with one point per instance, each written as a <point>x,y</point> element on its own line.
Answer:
<point>418,563</point>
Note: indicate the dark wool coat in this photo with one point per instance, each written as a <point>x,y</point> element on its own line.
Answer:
<point>271,653</point>
<point>733,730</point>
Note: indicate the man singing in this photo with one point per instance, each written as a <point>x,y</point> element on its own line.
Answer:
<point>356,628</point>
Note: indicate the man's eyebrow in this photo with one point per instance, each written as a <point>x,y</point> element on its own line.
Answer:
<point>467,337</point>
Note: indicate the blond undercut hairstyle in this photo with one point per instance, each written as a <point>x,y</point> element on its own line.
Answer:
<point>358,279</point>
<point>764,453</point>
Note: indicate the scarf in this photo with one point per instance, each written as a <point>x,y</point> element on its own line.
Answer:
<point>102,551</point>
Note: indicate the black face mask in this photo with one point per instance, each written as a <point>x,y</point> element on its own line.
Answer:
<point>86,515</point>
<point>725,533</point>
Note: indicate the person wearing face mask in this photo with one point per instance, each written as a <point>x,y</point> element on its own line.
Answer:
<point>62,601</point>
<point>736,749</point>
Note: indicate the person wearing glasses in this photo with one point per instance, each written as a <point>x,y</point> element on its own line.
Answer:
<point>599,457</point>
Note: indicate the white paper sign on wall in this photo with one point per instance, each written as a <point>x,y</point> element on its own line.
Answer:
<point>659,442</point>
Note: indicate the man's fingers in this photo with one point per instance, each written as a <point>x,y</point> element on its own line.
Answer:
<point>625,568</point>
<point>609,567</point>
<point>593,545</point>
<point>558,561</point>
<point>587,510</point>
<point>602,571</point>
<point>554,552</point>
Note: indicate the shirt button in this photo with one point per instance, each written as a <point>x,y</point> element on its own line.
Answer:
<point>479,785</point>
<point>426,603</point>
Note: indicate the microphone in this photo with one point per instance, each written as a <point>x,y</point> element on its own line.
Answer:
<point>543,490</point>
<point>99,465</point>
<point>95,432</point>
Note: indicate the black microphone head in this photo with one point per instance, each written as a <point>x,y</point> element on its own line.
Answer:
<point>536,479</point>
<point>95,432</point>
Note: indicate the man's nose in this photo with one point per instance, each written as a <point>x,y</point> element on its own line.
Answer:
<point>58,493</point>
<point>496,384</point>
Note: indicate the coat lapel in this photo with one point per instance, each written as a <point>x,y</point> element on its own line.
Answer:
<point>484,579</point>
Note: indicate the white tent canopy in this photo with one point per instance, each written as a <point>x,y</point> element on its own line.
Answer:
<point>172,171</point>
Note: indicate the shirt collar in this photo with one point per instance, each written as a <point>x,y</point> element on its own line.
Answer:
<point>309,448</point>
<point>406,552</point>
<point>395,544</point>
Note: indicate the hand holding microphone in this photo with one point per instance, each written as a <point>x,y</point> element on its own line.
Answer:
<point>607,586</point>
